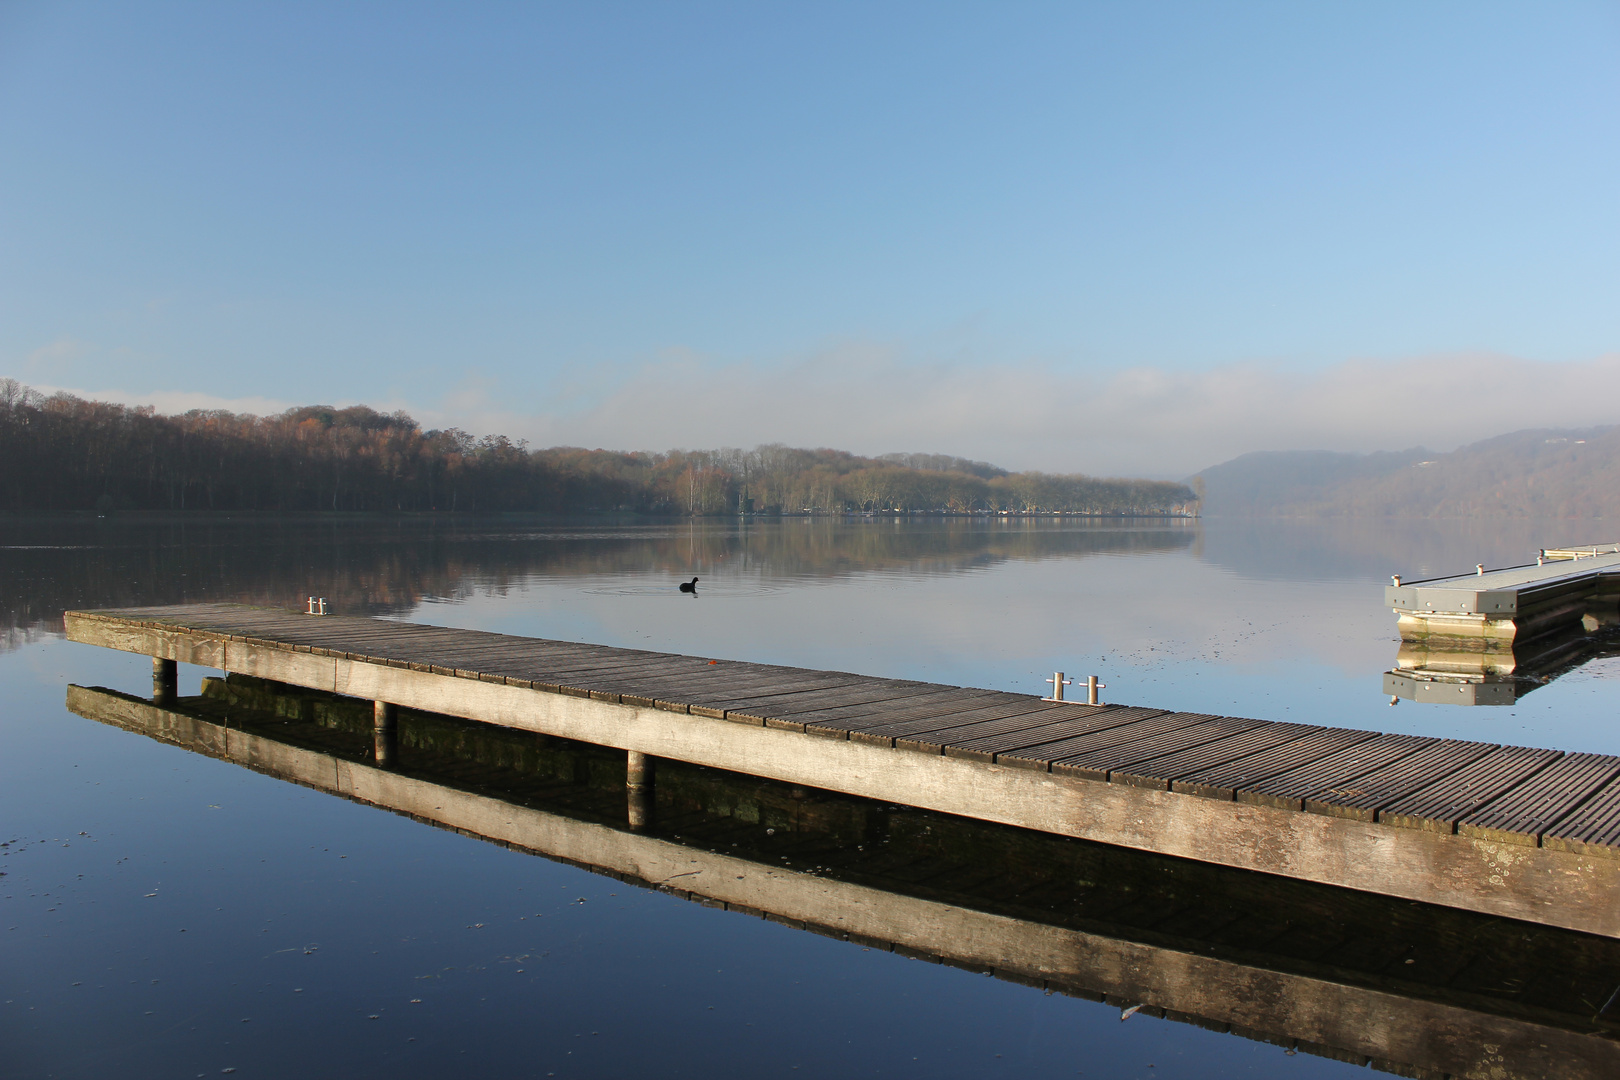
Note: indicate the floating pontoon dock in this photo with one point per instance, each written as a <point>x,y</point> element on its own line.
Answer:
<point>1480,638</point>
<point>1524,833</point>
<point>1495,608</point>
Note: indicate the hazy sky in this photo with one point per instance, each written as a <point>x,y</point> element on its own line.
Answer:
<point>1112,237</point>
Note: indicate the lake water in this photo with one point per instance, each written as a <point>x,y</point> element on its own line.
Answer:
<point>163,913</point>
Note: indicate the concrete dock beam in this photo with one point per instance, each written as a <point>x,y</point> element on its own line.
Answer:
<point>385,733</point>
<point>165,680</point>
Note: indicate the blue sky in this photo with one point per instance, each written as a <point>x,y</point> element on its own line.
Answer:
<point>1109,237</point>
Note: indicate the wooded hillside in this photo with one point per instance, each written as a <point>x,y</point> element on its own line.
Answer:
<point>1539,473</point>
<point>66,453</point>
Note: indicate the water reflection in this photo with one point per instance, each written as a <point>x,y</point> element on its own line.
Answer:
<point>1265,618</point>
<point>383,566</point>
<point>1405,987</point>
<point>1370,549</point>
<point>1447,674</point>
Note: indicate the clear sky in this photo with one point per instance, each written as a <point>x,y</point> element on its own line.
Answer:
<point>1112,237</point>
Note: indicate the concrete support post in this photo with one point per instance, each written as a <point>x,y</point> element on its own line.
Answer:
<point>639,789</point>
<point>165,680</point>
<point>385,733</point>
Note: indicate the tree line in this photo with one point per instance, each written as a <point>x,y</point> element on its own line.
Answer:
<point>63,452</point>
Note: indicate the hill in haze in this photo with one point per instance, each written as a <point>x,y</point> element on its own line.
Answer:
<point>1535,473</point>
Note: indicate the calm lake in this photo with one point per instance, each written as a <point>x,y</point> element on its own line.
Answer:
<point>165,914</point>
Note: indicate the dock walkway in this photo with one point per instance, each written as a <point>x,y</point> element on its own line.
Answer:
<point>1520,832</point>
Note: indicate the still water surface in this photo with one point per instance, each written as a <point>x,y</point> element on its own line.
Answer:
<point>166,914</point>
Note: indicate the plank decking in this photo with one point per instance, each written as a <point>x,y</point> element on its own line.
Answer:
<point>1526,832</point>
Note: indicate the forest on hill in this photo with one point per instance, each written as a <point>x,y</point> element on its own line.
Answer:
<point>66,453</point>
<point>1526,474</point>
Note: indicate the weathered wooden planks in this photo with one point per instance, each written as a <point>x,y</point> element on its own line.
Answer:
<point>1103,763</point>
<point>1521,815</point>
<point>1039,750</point>
<point>1437,806</point>
<point>1361,797</point>
<point>1289,789</point>
<point>850,722</point>
<point>1158,772</point>
<point>1591,828</point>
<point>1225,781</point>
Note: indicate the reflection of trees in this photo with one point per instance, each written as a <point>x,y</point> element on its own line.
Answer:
<point>380,565</point>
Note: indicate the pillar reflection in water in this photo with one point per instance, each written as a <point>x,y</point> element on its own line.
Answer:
<point>639,769</point>
<point>165,680</point>
<point>385,734</point>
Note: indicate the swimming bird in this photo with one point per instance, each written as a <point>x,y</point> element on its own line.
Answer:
<point>689,586</point>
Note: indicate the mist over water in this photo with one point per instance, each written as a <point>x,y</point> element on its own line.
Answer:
<point>167,914</point>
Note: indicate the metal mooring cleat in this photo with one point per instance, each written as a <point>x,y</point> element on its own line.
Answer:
<point>1058,683</point>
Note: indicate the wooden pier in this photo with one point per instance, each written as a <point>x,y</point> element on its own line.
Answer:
<point>1524,833</point>
<point>1410,989</point>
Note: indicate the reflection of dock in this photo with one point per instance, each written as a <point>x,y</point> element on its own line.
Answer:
<point>1416,990</point>
<point>1434,672</point>
<point>1524,833</point>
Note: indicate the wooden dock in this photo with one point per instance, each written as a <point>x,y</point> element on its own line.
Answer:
<point>1519,832</point>
<point>1410,989</point>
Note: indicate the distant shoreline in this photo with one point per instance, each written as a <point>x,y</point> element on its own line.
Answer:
<point>587,513</point>
<point>66,453</point>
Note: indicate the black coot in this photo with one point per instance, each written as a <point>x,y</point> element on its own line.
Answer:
<point>689,586</point>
